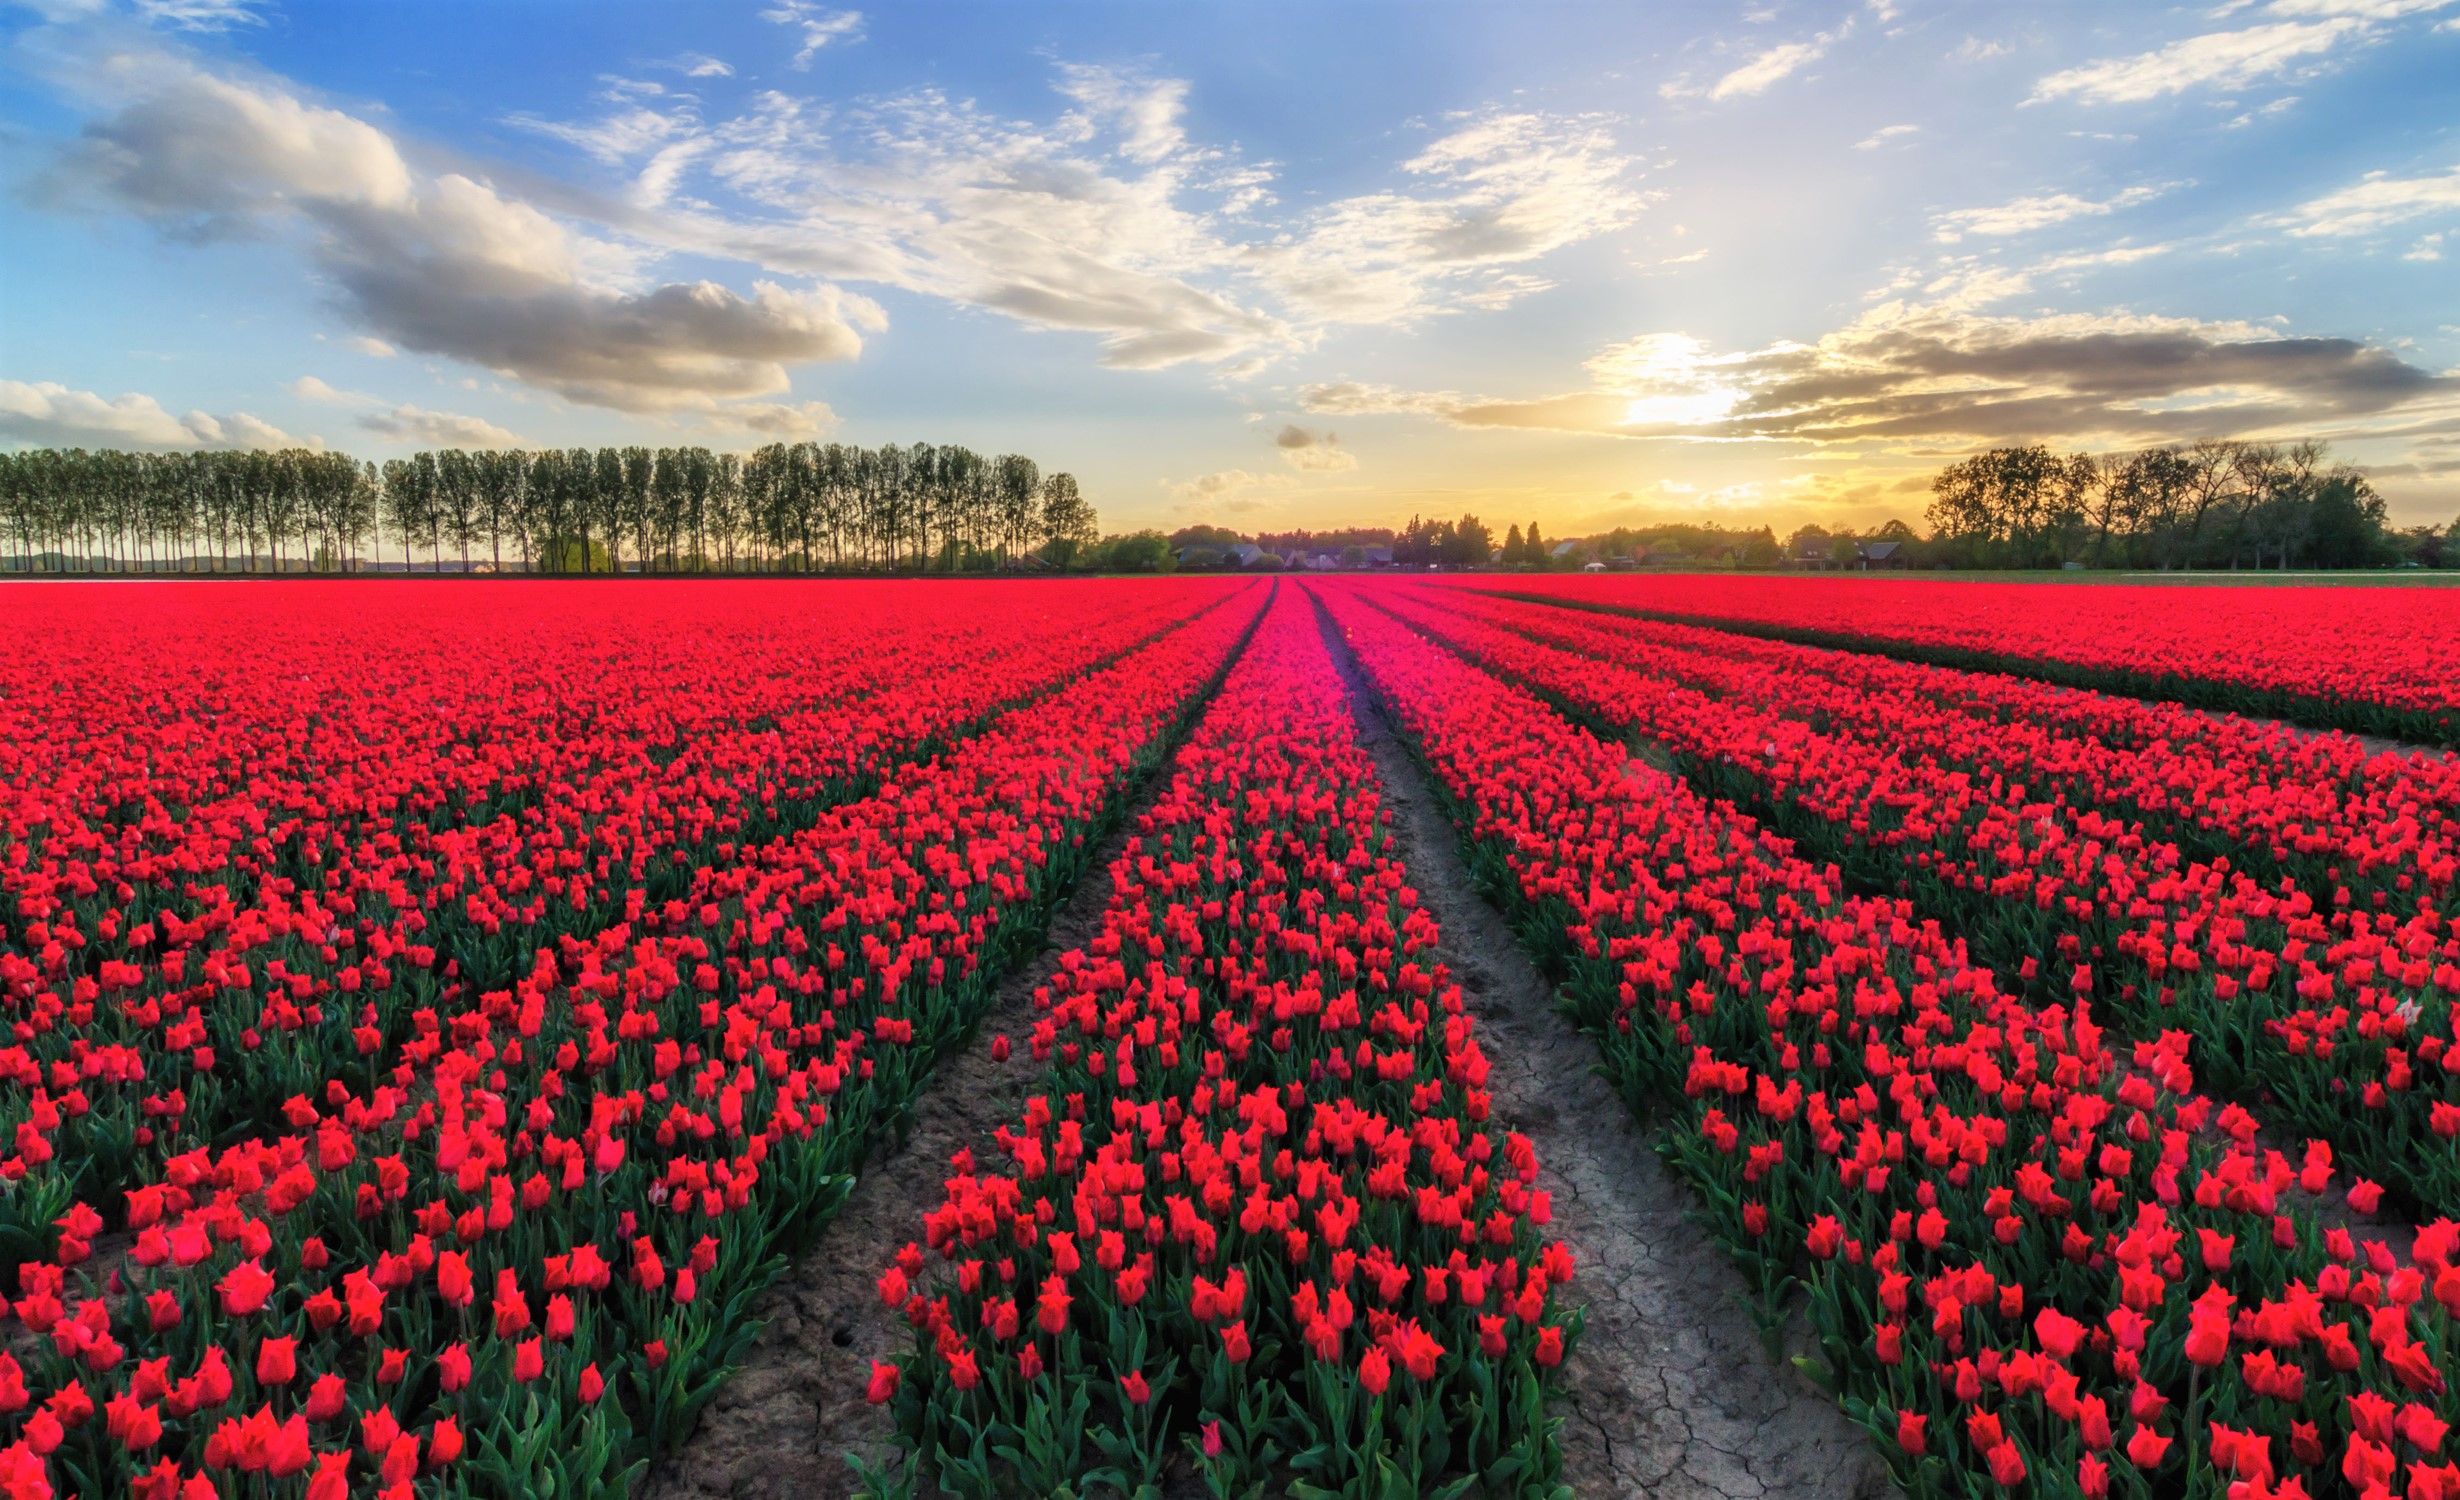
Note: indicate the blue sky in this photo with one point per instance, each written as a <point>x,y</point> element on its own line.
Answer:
<point>1262,265</point>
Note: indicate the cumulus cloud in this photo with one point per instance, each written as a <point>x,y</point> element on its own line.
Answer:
<point>309,388</point>
<point>2023,215</point>
<point>2376,202</point>
<point>1941,373</point>
<point>1885,134</point>
<point>435,429</point>
<point>50,415</point>
<point>445,263</point>
<point>1317,452</point>
<point>819,26</point>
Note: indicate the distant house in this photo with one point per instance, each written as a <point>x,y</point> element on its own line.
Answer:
<point>1562,550</point>
<point>1827,554</point>
<point>1884,555</point>
<point>1246,553</point>
<point>1379,557</point>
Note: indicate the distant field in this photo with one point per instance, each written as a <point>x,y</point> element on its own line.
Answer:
<point>2373,578</point>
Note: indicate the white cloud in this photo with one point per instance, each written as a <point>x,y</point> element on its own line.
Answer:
<point>2428,247</point>
<point>200,15</point>
<point>1973,50</point>
<point>2377,201</point>
<point>774,421</point>
<point>2023,215</point>
<point>819,25</point>
<point>1313,452</point>
<point>1759,74</point>
<point>2372,10</point>
<point>435,429</point>
<point>1144,113</point>
<point>699,65</point>
<point>48,414</point>
<point>2221,59</point>
<point>1109,220</point>
<point>373,348</point>
<point>1885,134</point>
<point>1103,219</point>
<point>309,388</point>
<point>1500,191</point>
<point>445,263</point>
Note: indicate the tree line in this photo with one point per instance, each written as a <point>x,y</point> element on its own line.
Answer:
<point>787,507</point>
<point>2212,504</point>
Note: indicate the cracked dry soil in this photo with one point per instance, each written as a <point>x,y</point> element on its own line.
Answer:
<point>786,1421</point>
<point>1669,1395</point>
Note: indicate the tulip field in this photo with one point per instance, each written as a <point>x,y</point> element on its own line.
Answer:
<point>441,1011</point>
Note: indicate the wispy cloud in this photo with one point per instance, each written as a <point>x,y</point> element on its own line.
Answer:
<point>1885,134</point>
<point>2299,42</point>
<point>2024,215</point>
<point>201,15</point>
<point>699,65</point>
<point>820,26</point>
<point>2376,202</point>
<point>1767,69</point>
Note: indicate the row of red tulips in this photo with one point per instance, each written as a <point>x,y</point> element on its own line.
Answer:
<point>1256,1222</point>
<point>2031,1258</point>
<point>2373,660</point>
<point>2323,808</point>
<point>509,1238</point>
<point>200,896</point>
<point>2338,1011</point>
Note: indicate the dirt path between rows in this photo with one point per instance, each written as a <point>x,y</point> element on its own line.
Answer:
<point>782,1427</point>
<point>1670,1396</point>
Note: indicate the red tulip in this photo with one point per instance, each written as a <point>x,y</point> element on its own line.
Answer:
<point>245,1289</point>
<point>276,1361</point>
<point>1912,1433</point>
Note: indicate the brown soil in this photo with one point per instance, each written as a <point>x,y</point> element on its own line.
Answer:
<point>784,1424</point>
<point>1669,1395</point>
